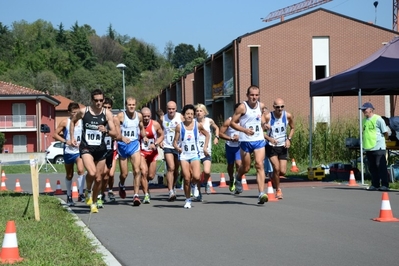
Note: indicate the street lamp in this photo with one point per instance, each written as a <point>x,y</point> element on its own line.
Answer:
<point>123,66</point>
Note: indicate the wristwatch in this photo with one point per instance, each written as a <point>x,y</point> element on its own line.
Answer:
<point>289,139</point>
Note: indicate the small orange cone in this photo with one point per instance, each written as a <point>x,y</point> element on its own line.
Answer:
<point>222,181</point>
<point>352,180</point>
<point>48,188</point>
<point>210,185</point>
<point>3,184</point>
<point>3,175</point>
<point>58,190</point>
<point>244,183</point>
<point>17,186</point>
<point>9,252</point>
<point>294,168</point>
<point>75,193</point>
<point>386,214</point>
<point>270,192</point>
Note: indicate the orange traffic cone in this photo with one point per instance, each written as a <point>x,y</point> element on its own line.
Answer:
<point>222,181</point>
<point>75,193</point>
<point>352,180</point>
<point>270,192</point>
<point>3,175</point>
<point>17,186</point>
<point>58,190</point>
<point>244,183</point>
<point>48,188</point>
<point>386,214</point>
<point>9,252</point>
<point>294,168</point>
<point>210,185</point>
<point>3,184</point>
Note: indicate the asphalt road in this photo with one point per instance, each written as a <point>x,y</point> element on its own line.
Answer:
<point>317,223</point>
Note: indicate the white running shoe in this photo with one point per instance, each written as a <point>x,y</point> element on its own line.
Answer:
<point>196,191</point>
<point>187,205</point>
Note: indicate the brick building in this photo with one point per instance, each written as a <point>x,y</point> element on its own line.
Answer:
<point>282,59</point>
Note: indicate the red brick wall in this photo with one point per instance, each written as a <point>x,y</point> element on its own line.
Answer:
<point>285,58</point>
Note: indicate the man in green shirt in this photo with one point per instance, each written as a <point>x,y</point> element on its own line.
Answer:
<point>375,131</point>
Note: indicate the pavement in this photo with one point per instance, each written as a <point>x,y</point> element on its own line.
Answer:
<point>317,223</point>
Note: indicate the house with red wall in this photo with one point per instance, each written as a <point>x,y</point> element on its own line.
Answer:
<point>27,118</point>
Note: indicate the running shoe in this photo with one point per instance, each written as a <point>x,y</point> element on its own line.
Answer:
<point>146,199</point>
<point>111,196</point>
<point>383,188</point>
<point>100,203</point>
<point>122,191</point>
<point>196,191</point>
<point>199,197</point>
<point>82,198</point>
<point>238,186</point>
<point>172,196</point>
<point>187,204</point>
<point>372,188</point>
<point>207,188</point>
<point>70,201</point>
<point>262,198</point>
<point>88,199</point>
<point>136,200</point>
<point>279,194</point>
<point>93,208</point>
<point>232,187</point>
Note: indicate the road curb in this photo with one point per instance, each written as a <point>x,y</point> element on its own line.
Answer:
<point>108,258</point>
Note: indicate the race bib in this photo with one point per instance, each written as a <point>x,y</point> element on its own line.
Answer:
<point>93,137</point>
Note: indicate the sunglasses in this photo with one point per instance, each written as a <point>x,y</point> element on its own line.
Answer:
<point>98,100</point>
<point>279,106</point>
<point>107,107</point>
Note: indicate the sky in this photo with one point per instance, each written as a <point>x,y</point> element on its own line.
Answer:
<point>213,24</point>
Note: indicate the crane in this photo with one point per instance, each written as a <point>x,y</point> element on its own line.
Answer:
<point>295,8</point>
<point>307,4</point>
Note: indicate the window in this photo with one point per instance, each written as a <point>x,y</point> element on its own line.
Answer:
<point>18,115</point>
<point>19,143</point>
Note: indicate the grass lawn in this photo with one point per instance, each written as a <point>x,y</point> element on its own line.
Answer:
<point>54,240</point>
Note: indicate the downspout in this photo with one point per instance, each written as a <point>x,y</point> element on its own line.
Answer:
<point>38,123</point>
<point>237,61</point>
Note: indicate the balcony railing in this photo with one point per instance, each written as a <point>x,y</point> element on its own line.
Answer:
<point>17,122</point>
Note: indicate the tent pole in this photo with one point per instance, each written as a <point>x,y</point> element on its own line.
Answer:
<point>310,131</point>
<point>361,135</point>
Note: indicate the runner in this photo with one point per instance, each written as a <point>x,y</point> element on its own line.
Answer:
<point>71,153</point>
<point>201,112</point>
<point>129,147</point>
<point>92,147</point>
<point>186,143</point>
<point>110,161</point>
<point>169,122</point>
<point>149,151</point>
<point>232,148</point>
<point>248,119</point>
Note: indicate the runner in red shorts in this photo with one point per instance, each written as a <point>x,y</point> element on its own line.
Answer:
<point>149,151</point>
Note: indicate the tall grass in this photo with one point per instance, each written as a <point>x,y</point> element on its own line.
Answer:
<point>328,141</point>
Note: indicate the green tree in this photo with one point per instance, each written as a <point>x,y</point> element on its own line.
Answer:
<point>168,52</point>
<point>201,52</point>
<point>2,141</point>
<point>81,47</point>
<point>183,54</point>
<point>6,47</point>
<point>61,37</point>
